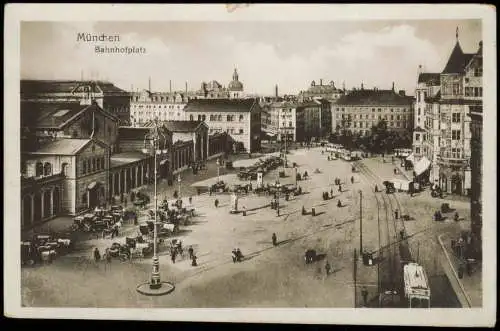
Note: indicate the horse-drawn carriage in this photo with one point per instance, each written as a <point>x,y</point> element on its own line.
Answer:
<point>43,248</point>
<point>220,186</point>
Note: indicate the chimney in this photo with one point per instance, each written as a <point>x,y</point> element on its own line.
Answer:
<point>170,85</point>
<point>419,69</point>
<point>186,87</point>
<point>149,84</point>
<point>393,86</point>
<point>276,90</point>
<point>402,93</point>
<point>362,87</point>
<point>321,82</point>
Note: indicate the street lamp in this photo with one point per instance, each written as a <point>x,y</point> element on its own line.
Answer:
<point>155,286</point>
<point>278,191</point>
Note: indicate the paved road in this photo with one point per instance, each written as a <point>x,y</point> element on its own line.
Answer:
<point>269,277</point>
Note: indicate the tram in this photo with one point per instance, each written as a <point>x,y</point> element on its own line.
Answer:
<point>416,286</point>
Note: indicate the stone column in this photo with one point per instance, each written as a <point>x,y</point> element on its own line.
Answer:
<point>32,220</point>
<point>112,188</point>
<point>136,170</point>
<point>52,202</point>
<point>194,148</point>
<point>207,144</point>
<point>42,199</point>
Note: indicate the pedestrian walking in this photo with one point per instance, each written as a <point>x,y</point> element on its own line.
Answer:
<point>216,203</point>
<point>331,192</point>
<point>97,255</point>
<point>108,258</point>
<point>327,268</point>
<point>191,252</point>
<point>376,188</point>
<point>340,188</point>
<point>234,255</point>
<point>173,255</point>
<point>193,261</point>
<point>364,293</point>
<point>456,217</point>
<point>396,214</point>
<point>190,200</point>
<point>352,180</point>
<point>275,239</point>
<point>339,204</point>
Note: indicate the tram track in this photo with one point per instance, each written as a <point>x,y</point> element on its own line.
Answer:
<point>388,265</point>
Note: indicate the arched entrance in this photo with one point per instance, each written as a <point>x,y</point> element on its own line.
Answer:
<point>37,213</point>
<point>47,208</point>
<point>94,194</point>
<point>456,184</point>
<point>164,166</point>
<point>27,212</point>
<point>56,201</point>
<point>443,183</point>
<point>116,184</point>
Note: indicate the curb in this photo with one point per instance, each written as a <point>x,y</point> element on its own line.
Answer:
<point>464,293</point>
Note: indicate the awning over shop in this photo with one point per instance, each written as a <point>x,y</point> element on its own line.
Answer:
<point>422,166</point>
<point>411,158</point>
<point>92,185</point>
<point>162,162</point>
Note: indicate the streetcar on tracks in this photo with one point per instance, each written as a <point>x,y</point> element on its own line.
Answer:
<point>416,286</point>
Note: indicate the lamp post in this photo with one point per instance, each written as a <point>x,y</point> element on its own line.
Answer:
<point>278,190</point>
<point>179,182</point>
<point>360,223</point>
<point>155,286</point>
<point>218,170</point>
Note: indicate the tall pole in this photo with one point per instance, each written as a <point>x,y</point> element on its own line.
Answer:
<point>179,181</point>
<point>355,265</point>
<point>360,222</point>
<point>155,275</point>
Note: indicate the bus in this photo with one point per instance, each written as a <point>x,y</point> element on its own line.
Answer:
<point>416,286</point>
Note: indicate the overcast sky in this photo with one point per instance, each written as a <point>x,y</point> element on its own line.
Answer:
<point>290,54</point>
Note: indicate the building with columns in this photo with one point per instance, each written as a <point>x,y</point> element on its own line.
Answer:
<point>449,123</point>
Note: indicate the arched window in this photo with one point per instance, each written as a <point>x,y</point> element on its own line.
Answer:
<point>84,167</point>
<point>89,165</point>
<point>47,169</point>
<point>24,167</point>
<point>98,164</point>
<point>39,169</point>
<point>191,118</point>
<point>94,164</point>
<point>64,169</point>
<point>220,118</point>
<point>241,118</point>
<point>203,117</point>
<point>103,163</point>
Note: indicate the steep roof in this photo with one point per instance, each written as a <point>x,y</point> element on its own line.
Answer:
<point>43,115</point>
<point>221,105</point>
<point>429,78</point>
<point>457,61</point>
<point>63,146</point>
<point>29,86</point>
<point>182,126</point>
<point>374,97</point>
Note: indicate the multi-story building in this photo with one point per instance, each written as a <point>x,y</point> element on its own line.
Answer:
<point>427,86</point>
<point>215,90</point>
<point>308,120</point>
<point>240,118</point>
<point>109,97</point>
<point>285,117</point>
<point>361,109</point>
<point>147,106</point>
<point>319,91</point>
<point>448,123</point>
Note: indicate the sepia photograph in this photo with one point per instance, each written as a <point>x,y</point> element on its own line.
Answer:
<point>250,163</point>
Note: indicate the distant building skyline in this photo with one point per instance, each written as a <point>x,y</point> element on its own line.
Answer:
<point>375,53</point>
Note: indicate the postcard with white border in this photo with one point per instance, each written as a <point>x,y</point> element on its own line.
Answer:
<point>268,163</point>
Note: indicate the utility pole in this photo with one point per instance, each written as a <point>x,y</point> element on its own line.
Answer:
<point>355,265</point>
<point>360,222</point>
